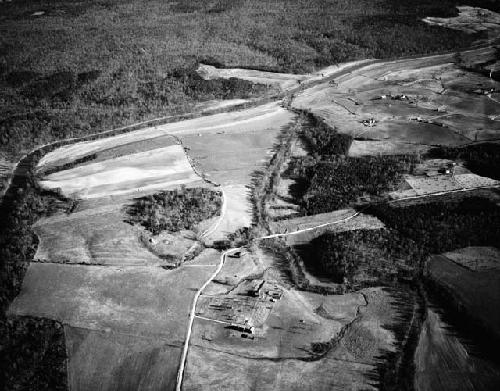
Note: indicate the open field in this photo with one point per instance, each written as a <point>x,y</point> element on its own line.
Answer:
<point>417,101</point>
<point>157,169</point>
<point>101,236</point>
<point>105,360</point>
<point>386,147</point>
<point>213,370</point>
<point>348,364</point>
<point>475,291</point>
<point>131,300</point>
<point>360,221</point>
<point>445,362</point>
<point>281,81</point>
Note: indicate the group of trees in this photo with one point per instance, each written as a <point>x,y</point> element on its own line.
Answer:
<point>445,225</point>
<point>321,140</point>
<point>34,355</point>
<point>327,179</point>
<point>175,210</point>
<point>482,159</point>
<point>363,257</point>
<point>33,350</point>
<point>343,180</point>
<point>413,232</point>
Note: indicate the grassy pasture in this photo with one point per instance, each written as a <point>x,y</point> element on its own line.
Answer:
<point>86,66</point>
<point>99,360</point>
<point>141,301</point>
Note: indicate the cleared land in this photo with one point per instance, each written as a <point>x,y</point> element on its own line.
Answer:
<point>341,221</point>
<point>417,101</point>
<point>131,300</point>
<point>445,362</point>
<point>104,360</point>
<point>157,169</point>
<point>124,326</point>
<point>476,291</point>
<point>347,364</point>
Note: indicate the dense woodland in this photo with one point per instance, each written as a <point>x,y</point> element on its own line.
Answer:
<point>175,210</point>
<point>33,351</point>
<point>84,67</point>
<point>34,357</point>
<point>362,256</point>
<point>482,159</point>
<point>445,225</point>
<point>342,181</point>
<point>327,179</point>
<point>413,233</point>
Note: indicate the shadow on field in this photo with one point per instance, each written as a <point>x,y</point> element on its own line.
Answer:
<point>395,371</point>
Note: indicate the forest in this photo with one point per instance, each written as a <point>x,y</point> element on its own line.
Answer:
<point>482,159</point>
<point>34,357</point>
<point>363,257</point>
<point>174,210</point>
<point>413,232</point>
<point>446,225</point>
<point>342,181</point>
<point>84,67</point>
<point>327,179</point>
<point>33,350</point>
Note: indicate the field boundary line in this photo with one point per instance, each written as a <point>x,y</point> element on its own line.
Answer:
<point>212,320</point>
<point>278,235</point>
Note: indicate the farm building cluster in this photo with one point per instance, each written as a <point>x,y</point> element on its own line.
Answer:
<point>245,310</point>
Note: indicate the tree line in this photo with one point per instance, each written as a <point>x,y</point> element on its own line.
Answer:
<point>399,252</point>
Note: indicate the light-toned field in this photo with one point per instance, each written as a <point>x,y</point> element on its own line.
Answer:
<point>341,221</point>
<point>444,362</point>
<point>145,301</point>
<point>92,236</point>
<point>422,185</point>
<point>238,211</point>
<point>214,370</point>
<point>231,152</point>
<point>236,121</point>
<point>284,81</point>
<point>229,155</point>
